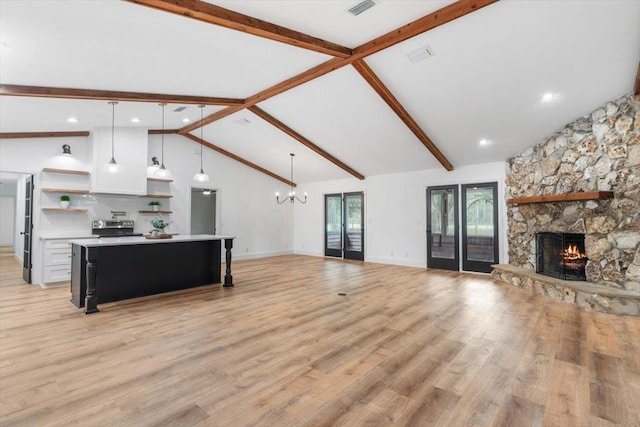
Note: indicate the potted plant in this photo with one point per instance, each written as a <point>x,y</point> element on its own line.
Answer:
<point>64,201</point>
<point>159,225</point>
<point>155,205</point>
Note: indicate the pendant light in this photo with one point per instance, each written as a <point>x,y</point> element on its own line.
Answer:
<point>163,172</point>
<point>201,176</point>
<point>292,194</point>
<point>112,166</point>
<point>155,165</point>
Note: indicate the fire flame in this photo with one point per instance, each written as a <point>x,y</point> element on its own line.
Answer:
<point>573,252</point>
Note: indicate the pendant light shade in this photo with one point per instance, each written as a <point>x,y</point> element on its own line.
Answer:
<point>112,166</point>
<point>162,172</point>
<point>155,165</point>
<point>201,176</point>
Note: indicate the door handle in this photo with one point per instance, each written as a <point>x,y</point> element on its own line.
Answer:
<point>22,233</point>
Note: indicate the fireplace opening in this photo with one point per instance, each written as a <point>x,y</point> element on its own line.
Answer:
<point>561,255</point>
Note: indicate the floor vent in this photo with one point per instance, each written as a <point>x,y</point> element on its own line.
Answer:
<point>361,7</point>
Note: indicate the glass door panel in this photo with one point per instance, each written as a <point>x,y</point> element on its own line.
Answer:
<point>354,226</point>
<point>333,225</point>
<point>442,227</point>
<point>479,226</point>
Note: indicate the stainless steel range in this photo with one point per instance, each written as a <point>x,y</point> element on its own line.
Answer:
<point>113,228</point>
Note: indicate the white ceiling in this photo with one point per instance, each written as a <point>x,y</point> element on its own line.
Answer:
<point>486,80</point>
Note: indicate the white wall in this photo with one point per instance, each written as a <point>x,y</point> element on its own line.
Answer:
<point>395,212</point>
<point>7,220</point>
<point>246,205</point>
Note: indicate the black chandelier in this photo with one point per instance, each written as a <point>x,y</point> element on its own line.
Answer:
<point>292,194</point>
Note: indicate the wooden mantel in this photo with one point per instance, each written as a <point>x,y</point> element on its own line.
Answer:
<point>568,197</point>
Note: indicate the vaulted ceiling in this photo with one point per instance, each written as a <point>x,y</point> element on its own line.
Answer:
<point>308,77</point>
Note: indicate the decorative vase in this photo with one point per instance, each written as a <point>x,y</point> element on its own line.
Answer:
<point>64,204</point>
<point>155,208</point>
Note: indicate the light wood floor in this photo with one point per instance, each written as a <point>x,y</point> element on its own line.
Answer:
<point>406,346</point>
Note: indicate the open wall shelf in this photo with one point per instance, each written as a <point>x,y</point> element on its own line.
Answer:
<point>159,196</point>
<point>65,210</point>
<point>64,190</point>
<point>68,171</point>
<point>156,212</point>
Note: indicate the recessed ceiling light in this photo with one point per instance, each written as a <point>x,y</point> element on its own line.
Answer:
<point>548,97</point>
<point>72,120</point>
<point>186,120</point>
<point>484,141</point>
<point>135,120</point>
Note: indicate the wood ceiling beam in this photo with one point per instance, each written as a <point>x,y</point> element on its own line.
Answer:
<point>419,26</point>
<point>370,76</point>
<point>636,87</point>
<point>18,135</point>
<point>426,23</point>
<point>217,15</point>
<point>108,95</point>
<point>238,159</point>
<point>310,74</point>
<point>304,141</point>
<point>163,132</point>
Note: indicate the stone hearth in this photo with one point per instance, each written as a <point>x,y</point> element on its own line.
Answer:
<point>598,152</point>
<point>583,294</point>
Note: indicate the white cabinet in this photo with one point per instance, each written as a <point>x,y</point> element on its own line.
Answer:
<point>130,152</point>
<point>56,256</point>
<point>56,260</point>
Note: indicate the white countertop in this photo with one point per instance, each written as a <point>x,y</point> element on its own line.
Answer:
<point>141,240</point>
<point>67,236</point>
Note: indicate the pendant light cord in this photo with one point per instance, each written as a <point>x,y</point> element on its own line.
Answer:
<point>201,135</point>
<point>162,139</point>
<point>113,119</point>
<point>291,182</point>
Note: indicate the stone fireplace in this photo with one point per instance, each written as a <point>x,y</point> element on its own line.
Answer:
<point>599,152</point>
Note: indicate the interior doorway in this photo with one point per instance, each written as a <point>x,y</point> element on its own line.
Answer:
<point>203,211</point>
<point>16,221</point>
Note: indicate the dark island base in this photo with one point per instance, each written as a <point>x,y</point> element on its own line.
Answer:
<point>131,271</point>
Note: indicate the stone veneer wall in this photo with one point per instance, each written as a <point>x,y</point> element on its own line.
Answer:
<point>598,152</point>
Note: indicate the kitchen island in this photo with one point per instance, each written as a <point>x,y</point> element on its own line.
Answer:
<point>113,269</point>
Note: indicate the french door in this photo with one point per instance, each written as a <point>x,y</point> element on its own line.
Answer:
<point>442,227</point>
<point>479,226</point>
<point>478,244</point>
<point>344,225</point>
<point>28,227</point>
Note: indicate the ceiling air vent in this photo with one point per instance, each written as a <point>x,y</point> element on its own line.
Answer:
<point>177,110</point>
<point>420,54</point>
<point>242,122</point>
<point>361,7</point>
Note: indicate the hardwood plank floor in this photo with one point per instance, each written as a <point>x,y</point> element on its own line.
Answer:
<point>405,346</point>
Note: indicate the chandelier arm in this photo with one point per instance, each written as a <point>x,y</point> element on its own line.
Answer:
<point>300,200</point>
<point>281,202</point>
